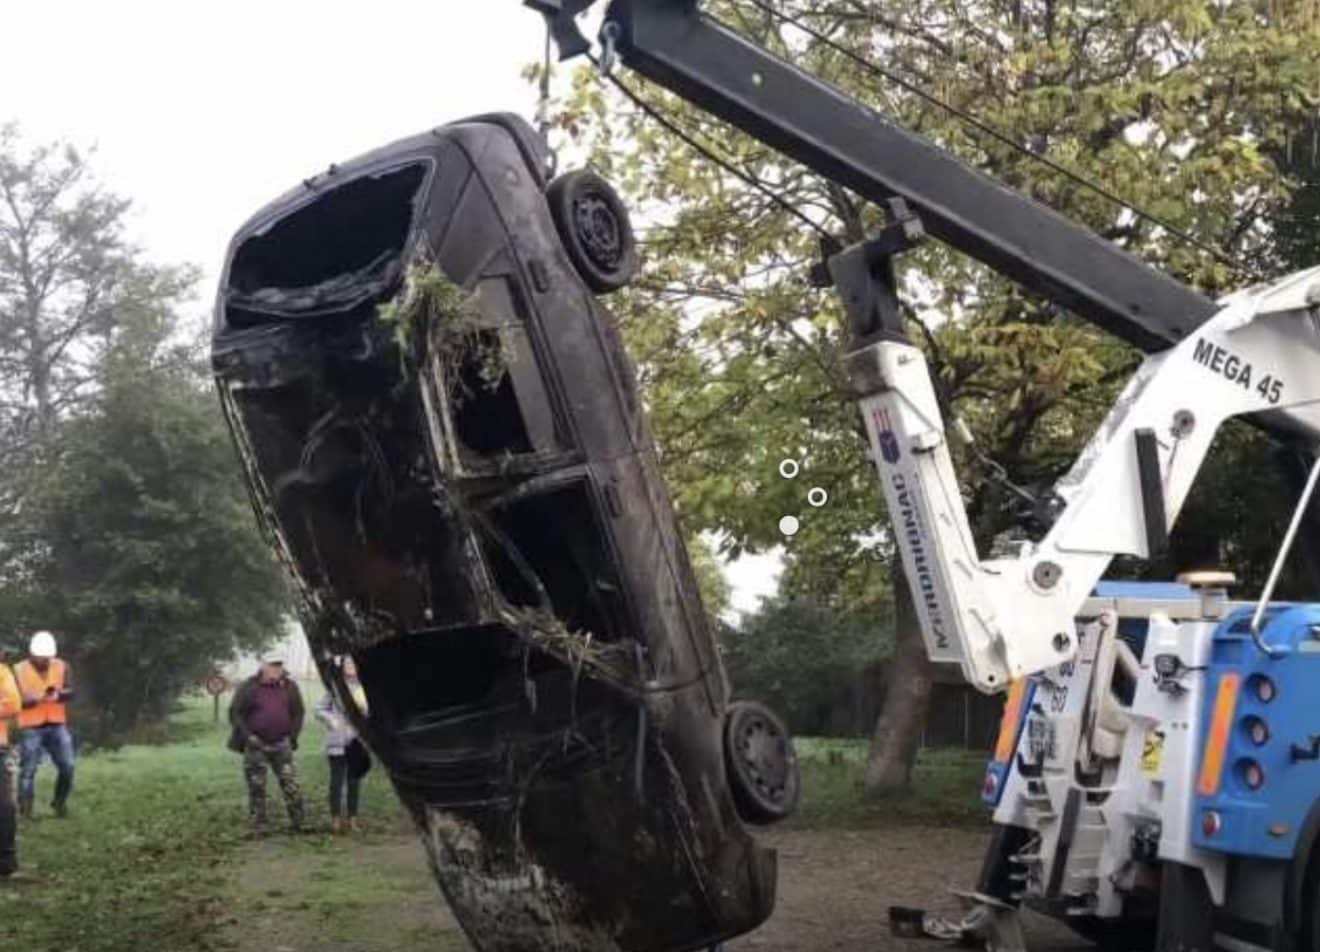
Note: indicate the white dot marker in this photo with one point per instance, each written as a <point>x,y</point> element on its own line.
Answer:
<point>789,525</point>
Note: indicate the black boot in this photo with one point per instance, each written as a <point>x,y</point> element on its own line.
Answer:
<point>25,808</point>
<point>63,787</point>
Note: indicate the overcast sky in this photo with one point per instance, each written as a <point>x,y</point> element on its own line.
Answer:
<point>203,112</point>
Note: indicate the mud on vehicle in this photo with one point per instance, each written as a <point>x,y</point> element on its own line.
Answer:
<point>445,444</point>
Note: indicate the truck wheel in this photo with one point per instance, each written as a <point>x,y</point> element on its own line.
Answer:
<point>595,229</point>
<point>1186,914</point>
<point>763,768</point>
<point>1311,938</point>
<point>998,867</point>
<point>1116,935</point>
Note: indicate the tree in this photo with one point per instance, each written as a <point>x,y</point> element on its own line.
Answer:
<point>142,552</point>
<point>1176,107</point>
<point>711,582</point>
<point>66,274</point>
<point>804,659</point>
<point>124,525</point>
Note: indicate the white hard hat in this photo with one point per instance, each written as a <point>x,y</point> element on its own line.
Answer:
<point>273,657</point>
<point>43,645</point>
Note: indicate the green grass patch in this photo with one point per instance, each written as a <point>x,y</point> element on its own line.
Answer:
<point>155,855</point>
<point>141,855</point>
<point>364,894</point>
<point>146,855</point>
<point>946,788</point>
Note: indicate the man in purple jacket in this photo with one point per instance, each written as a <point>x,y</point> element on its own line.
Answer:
<point>267,717</point>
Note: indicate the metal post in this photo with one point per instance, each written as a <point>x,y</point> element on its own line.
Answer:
<point>1298,514</point>
<point>216,685</point>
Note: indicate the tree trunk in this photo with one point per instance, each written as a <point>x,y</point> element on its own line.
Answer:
<point>39,377</point>
<point>897,736</point>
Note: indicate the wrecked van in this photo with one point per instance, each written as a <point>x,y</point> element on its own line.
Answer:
<point>445,445</point>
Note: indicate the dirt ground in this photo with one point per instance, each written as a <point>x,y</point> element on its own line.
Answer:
<point>836,887</point>
<point>373,895</point>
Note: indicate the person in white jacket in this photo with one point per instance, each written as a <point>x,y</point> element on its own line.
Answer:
<point>349,760</point>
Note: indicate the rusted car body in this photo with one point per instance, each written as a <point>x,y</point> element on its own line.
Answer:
<point>445,443</point>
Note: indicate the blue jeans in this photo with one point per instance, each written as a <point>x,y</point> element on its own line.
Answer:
<point>343,782</point>
<point>53,739</point>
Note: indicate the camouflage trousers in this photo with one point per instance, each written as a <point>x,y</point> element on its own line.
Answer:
<point>278,757</point>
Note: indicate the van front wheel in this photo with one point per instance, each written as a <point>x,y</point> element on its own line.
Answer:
<point>761,763</point>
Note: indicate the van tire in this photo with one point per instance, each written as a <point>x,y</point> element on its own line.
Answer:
<point>595,229</point>
<point>761,764</point>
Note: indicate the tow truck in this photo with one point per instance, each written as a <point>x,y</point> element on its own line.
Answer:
<point>1157,779</point>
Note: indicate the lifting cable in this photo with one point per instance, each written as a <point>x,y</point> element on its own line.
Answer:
<point>543,123</point>
<point>1001,136</point>
<point>544,89</point>
<point>710,154</point>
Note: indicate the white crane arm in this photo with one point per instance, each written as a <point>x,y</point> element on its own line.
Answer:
<point>1005,618</point>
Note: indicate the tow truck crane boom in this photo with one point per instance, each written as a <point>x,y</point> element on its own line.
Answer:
<point>674,44</point>
<point>1251,355</point>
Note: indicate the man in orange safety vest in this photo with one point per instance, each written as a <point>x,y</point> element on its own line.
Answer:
<point>10,703</point>
<point>46,686</point>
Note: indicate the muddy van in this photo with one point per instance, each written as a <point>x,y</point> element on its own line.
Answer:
<point>445,445</point>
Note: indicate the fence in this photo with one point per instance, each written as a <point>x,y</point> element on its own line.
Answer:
<point>959,715</point>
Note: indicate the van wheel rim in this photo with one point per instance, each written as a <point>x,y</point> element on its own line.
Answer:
<point>599,230</point>
<point>762,752</point>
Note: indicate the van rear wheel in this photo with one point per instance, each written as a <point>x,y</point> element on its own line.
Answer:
<point>595,229</point>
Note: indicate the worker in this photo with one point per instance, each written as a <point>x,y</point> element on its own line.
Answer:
<point>267,716</point>
<point>45,683</point>
<point>10,704</point>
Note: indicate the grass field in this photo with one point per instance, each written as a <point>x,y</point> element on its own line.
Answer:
<point>947,785</point>
<point>150,844</point>
<point>154,854</point>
